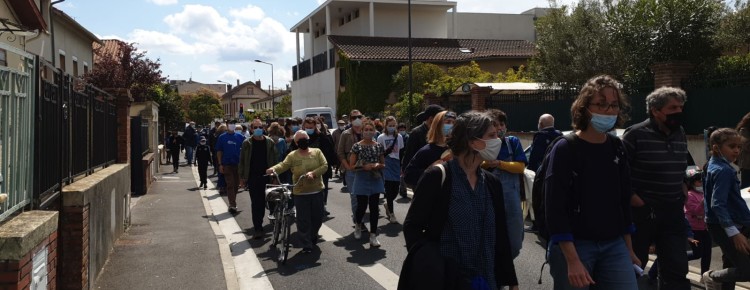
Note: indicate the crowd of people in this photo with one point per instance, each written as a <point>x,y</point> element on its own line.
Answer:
<point>609,201</point>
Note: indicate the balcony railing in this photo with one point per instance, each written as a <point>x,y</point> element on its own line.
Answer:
<point>315,65</point>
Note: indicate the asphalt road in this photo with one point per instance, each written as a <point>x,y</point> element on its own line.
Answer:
<point>345,263</point>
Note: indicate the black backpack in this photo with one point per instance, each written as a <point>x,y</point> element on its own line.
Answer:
<point>537,190</point>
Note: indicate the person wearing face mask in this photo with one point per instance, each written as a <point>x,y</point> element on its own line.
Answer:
<point>436,148</point>
<point>418,135</point>
<point>658,157</point>
<point>228,148</point>
<point>175,144</point>
<point>455,228</point>
<point>257,154</point>
<point>392,141</point>
<point>336,136</point>
<point>324,142</point>
<point>203,156</point>
<point>308,194</point>
<point>405,136</point>
<point>587,193</point>
<point>367,162</point>
<point>509,167</point>
<point>343,149</point>
<point>695,214</point>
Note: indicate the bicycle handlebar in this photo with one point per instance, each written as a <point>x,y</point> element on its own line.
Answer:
<point>276,175</point>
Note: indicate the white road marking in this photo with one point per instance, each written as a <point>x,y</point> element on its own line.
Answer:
<point>384,276</point>
<point>245,260</point>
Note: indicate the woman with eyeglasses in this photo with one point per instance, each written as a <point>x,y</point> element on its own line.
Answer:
<point>587,193</point>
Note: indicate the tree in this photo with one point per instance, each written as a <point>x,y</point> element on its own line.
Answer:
<point>422,75</point>
<point>170,104</point>
<point>514,76</point>
<point>623,38</point>
<point>457,76</point>
<point>734,35</point>
<point>205,107</point>
<point>402,107</point>
<point>284,107</point>
<point>125,68</point>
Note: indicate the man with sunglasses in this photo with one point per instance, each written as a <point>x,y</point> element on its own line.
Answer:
<point>258,153</point>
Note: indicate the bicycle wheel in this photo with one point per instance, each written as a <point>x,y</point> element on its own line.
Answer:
<point>287,229</point>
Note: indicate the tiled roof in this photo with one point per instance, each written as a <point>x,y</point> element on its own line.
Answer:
<point>430,49</point>
<point>109,47</point>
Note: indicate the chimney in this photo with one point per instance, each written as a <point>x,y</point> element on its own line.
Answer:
<point>238,82</point>
<point>257,84</point>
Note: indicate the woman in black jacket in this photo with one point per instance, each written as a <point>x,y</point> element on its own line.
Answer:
<point>459,232</point>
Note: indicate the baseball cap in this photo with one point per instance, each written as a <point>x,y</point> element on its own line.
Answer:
<point>430,111</point>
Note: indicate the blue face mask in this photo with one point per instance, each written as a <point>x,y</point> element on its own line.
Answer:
<point>447,129</point>
<point>603,123</point>
<point>258,132</point>
<point>310,131</point>
<point>295,128</point>
<point>391,130</point>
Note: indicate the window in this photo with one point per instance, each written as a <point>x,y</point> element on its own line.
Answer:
<point>356,14</point>
<point>317,33</point>
<point>348,18</point>
<point>62,62</point>
<point>3,57</point>
<point>75,67</point>
<point>341,21</point>
<point>250,91</point>
<point>85,68</point>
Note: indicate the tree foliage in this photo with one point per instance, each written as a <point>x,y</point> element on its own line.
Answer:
<point>734,29</point>
<point>422,75</point>
<point>402,107</point>
<point>170,104</point>
<point>204,107</point>
<point>623,38</point>
<point>284,106</point>
<point>126,68</point>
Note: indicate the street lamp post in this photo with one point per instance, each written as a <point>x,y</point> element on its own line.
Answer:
<point>273,97</point>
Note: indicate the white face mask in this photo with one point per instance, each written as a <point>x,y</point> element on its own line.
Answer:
<point>699,188</point>
<point>357,122</point>
<point>491,149</point>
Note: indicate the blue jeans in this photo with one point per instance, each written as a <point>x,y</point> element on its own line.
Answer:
<point>513,213</point>
<point>189,154</point>
<point>608,263</point>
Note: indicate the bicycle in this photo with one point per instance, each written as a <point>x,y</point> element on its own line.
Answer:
<point>278,198</point>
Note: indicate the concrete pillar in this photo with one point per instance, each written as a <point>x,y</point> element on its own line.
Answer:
<point>671,74</point>
<point>479,97</point>
<point>25,240</point>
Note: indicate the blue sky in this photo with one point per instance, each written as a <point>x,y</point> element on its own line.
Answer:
<point>218,40</point>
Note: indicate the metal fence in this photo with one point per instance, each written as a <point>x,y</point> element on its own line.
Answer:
<point>76,128</point>
<point>17,83</point>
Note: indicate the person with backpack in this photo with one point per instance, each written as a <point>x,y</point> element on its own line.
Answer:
<point>587,195</point>
<point>455,229</point>
<point>509,168</point>
<point>541,141</point>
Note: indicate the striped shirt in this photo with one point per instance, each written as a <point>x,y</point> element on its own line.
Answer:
<point>657,161</point>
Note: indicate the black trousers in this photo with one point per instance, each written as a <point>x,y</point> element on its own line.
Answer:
<point>362,202</point>
<point>175,159</point>
<point>391,191</point>
<point>256,184</point>
<point>663,225</point>
<point>203,170</point>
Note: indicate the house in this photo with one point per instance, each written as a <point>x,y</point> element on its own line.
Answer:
<point>376,31</point>
<point>190,87</point>
<point>268,103</point>
<point>241,96</point>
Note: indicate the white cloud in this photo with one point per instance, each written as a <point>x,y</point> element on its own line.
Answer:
<point>155,41</point>
<point>163,2</point>
<point>231,76</point>
<point>249,12</point>
<point>197,20</point>
<point>320,1</point>
<point>210,68</point>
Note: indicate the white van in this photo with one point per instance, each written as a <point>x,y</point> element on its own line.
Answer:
<point>325,112</point>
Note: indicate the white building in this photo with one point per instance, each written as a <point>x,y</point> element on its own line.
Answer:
<point>377,31</point>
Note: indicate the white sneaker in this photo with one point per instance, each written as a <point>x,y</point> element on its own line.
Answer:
<point>709,282</point>
<point>374,240</point>
<point>357,232</point>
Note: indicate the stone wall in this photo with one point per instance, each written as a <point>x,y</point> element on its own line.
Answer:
<point>24,240</point>
<point>94,213</point>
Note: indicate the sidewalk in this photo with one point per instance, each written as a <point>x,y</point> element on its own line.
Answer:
<point>171,242</point>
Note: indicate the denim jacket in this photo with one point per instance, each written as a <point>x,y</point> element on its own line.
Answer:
<point>722,189</point>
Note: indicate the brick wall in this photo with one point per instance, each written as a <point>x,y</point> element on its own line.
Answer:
<point>671,74</point>
<point>16,274</point>
<point>479,97</point>
<point>75,242</point>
